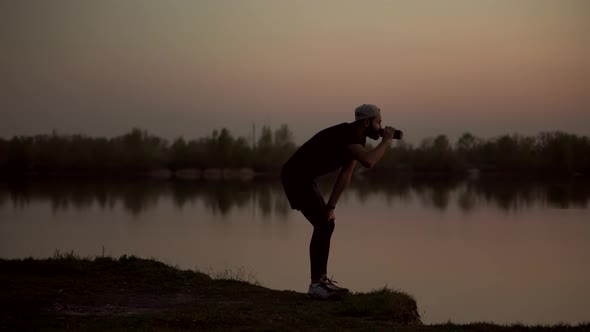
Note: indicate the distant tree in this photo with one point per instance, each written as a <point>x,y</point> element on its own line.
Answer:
<point>223,147</point>
<point>435,154</point>
<point>284,146</point>
<point>265,142</point>
<point>242,153</point>
<point>283,138</point>
<point>466,142</point>
<point>264,150</point>
<point>465,148</point>
<point>179,155</point>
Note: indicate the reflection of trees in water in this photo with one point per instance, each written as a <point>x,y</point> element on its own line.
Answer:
<point>263,196</point>
<point>282,207</point>
<point>271,201</point>
<point>222,197</point>
<point>504,193</point>
<point>512,194</point>
<point>215,196</point>
<point>435,191</point>
<point>140,196</point>
<point>268,199</point>
<point>136,197</point>
<point>466,200</point>
<point>390,188</point>
<point>432,191</point>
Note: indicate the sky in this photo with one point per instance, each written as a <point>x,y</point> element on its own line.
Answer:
<point>184,68</point>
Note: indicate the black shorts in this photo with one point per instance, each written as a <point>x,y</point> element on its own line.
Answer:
<point>303,194</point>
<point>306,198</point>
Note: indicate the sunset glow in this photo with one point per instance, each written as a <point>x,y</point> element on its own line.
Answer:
<point>186,67</point>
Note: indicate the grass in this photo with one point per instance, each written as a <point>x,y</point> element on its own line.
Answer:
<point>67,292</point>
<point>238,274</point>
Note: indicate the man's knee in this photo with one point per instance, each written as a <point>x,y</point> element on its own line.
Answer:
<point>325,228</point>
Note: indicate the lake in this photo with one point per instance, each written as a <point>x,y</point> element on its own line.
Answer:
<point>501,250</point>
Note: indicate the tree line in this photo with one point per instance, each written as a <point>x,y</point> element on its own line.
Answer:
<point>546,153</point>
<point>140,151</point>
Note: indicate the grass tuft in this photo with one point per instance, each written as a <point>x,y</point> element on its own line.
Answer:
<point>382,304</point>
<point>238,274</point>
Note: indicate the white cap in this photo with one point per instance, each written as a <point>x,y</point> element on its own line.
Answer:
<point>366,111</point>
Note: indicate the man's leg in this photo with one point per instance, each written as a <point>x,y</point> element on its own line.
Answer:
<point>316,213</point>
<point>325,253</point>
<point>319,247</point>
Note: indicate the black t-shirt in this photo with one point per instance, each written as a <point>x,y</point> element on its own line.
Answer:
<point>323,153</point>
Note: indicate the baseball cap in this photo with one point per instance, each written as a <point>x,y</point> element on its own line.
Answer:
<point>366,111</point>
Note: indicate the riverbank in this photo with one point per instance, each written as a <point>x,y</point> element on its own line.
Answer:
<point>128,293</point>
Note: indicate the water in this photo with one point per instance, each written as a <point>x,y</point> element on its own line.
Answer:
<point>503,251</point>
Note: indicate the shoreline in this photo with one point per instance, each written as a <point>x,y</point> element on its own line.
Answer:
<point>105,293</point>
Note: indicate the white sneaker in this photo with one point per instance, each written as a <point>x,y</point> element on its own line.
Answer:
<point>322,291</point>
<point>331,283</point>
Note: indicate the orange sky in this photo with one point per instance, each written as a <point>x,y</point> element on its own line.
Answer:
<point>185,67</point>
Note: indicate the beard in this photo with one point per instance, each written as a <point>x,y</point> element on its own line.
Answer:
<point>372,133</point>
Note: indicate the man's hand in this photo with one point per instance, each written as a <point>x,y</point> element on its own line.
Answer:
<point>388,133</point>
<point>331,216</point>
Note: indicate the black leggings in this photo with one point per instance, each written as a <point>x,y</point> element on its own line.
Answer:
<point>319,248</point>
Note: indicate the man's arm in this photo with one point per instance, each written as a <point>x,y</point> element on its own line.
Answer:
<point>370,158</point>
<point>341,183</point>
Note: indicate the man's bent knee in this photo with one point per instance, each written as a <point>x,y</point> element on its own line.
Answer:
<point>325,228</point>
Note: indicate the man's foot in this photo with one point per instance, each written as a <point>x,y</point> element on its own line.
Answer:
<point>321,291</point>
<point>331,283</point>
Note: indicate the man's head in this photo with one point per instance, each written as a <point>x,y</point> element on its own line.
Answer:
<point>368,117</point>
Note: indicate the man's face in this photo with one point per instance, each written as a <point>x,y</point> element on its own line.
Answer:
<point>373,128</point>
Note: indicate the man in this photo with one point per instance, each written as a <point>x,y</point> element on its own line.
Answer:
<point>340,146</point>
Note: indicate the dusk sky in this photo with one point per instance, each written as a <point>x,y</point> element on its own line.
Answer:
<point>184,68</point>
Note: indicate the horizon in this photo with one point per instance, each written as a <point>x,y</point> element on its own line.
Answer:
<point>170,140</point>
<point>183,69</point>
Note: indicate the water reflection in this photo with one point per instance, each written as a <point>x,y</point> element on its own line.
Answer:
<point>267,198</point>
<point>469,250</point>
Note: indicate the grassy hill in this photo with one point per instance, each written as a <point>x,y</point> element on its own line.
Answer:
<point>128,293</point>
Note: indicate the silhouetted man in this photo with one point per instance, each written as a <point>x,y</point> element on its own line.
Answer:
<point>340,146</point>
